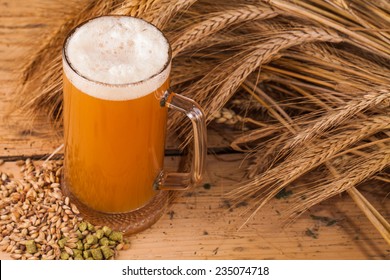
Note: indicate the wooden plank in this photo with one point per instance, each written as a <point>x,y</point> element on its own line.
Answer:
<point>199,225</point>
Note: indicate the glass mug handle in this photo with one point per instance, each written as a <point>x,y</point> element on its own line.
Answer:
<point>183,181</point>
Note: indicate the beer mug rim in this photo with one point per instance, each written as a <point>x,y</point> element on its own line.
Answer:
<point>70,67</point>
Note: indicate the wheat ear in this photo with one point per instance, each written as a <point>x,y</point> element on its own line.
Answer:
<point>230,78</point>
<point>298,8</point>
<point>218,21</point>
<point>339,115</point>
<point>354,172</point>
<point>311,157</point>
<point>162,11</point>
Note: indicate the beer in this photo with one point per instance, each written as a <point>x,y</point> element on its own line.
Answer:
<point>116,70</point>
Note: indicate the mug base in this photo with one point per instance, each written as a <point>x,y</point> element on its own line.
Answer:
<point>128,222</point>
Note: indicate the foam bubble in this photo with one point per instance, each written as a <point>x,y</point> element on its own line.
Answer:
<point>116,58</point>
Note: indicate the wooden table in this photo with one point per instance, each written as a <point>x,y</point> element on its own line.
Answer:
<point>198,224</point>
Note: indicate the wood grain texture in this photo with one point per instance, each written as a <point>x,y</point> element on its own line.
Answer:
<point>21,29</point>
<point>198,224</point>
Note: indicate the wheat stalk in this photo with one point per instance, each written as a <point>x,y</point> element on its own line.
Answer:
<point>371,213</point>
<point>227,81</point>
<point>135,8</point>
<point>310,157</point>
<point>355,173</point>
<point>366,41</point>
<point>339,115</point>
<point>162,11</point>
<point>345,63</point>
<point>218,21</point>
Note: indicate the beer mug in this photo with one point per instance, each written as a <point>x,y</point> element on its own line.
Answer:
<point>116,93</point>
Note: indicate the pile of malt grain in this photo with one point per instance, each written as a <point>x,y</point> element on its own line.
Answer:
<point>38,222</point>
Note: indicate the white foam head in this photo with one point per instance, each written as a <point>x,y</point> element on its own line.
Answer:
<point>117,58</point>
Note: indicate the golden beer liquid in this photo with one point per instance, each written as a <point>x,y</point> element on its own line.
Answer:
<point>114,149</point>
